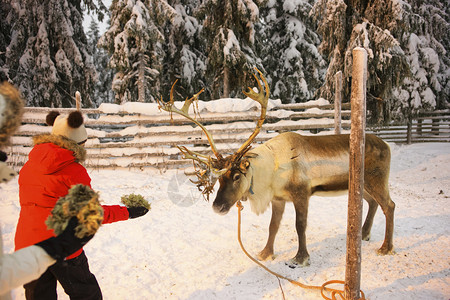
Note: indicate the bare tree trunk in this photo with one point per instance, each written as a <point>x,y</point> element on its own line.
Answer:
<point>409,128</point>
<point>141,78</point>
<point>226,82</point>
<point>338,103</point>
<point>356,175</point>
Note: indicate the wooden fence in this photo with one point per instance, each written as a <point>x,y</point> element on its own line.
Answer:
<point>426,127</point>
<point>134,139</point>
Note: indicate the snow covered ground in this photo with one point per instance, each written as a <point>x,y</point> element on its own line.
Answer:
<point>182,250</point>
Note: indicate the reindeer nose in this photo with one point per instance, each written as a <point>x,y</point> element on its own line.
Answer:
<point>221,209</point>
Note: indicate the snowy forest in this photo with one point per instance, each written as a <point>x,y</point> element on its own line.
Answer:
<point>299,45</point>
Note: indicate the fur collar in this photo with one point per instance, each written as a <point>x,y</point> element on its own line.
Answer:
<point>78,151</point>
<point>11,111</point>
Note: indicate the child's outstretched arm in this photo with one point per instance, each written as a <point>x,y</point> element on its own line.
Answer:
<point>115,213</point>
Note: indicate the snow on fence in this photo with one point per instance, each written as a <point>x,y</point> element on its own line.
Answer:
<point>140,135</point>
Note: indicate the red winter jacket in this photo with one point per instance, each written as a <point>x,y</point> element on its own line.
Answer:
<point>52,168</point>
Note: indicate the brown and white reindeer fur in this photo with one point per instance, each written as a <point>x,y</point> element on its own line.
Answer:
<point>291,168</point>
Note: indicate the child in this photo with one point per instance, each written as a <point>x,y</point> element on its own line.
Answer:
<point>53,166</point>
<point>28,263</point>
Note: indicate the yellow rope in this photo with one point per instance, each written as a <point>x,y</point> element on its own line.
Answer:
<point>322,288</point>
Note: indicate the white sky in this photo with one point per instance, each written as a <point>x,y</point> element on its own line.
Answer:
<point>102,25</point>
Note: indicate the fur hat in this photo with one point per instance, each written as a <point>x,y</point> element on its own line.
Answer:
<point>11,109</point>
<point>70,126</point>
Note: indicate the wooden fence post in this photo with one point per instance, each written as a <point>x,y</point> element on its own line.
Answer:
<point>419,126</point>
<point>78,100</point>
<point>338,103</point>
<point>409,129</point>
<point>435,126</point>
<point>356,175</point>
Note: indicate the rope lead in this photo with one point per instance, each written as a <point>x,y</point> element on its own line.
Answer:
<point>322,288</point>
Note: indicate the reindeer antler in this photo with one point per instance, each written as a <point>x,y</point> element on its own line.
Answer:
<point>184,111</point>
<point>262,98</point>
<point>205,171</point>
<point>208,169</point>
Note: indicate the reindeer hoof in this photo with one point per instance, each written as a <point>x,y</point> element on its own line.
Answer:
<point>386,251</point>
<point>366,237</point>
<point>265,255</point>
<point>295,262</point>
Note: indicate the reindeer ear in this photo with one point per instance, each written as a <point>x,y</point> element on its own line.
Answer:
<point>244,165</point>
<point>251,155</point>
<point>51,117</point>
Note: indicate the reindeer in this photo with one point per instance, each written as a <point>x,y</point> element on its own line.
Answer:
<point>290,168</point>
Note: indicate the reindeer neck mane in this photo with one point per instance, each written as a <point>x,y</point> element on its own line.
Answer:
<point>260,192</point>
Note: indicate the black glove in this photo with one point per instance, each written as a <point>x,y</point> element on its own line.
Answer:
<point>136,212</point>
<point>66,243</point>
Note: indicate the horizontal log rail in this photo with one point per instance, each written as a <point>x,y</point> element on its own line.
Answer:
<point>433,126</point>
<point>137,140</point>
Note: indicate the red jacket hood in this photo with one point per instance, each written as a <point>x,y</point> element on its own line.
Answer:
<point>49,158</point>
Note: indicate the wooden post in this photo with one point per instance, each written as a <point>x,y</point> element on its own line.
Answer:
<point>419,127</point>
<point>435,126</point>
<point>78,100</point>
<point>356,175</point>
<point>338,103</point>
<point>409,130</point>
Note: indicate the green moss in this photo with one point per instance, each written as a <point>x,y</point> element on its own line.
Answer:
<point>82,202</point>
<point>133,200</point>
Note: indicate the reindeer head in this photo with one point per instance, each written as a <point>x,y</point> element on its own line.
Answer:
<point>233,170</point>
<point>235,185</point>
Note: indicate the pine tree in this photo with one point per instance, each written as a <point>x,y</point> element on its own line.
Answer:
<point>427,48</point>
<point>134,41</point>
<point>184,51</point>
<point>5,36</point>
<point>229,31</point>
<point>102,91</point>
<point>288,48</point>
<point>48,58</point>
<point>402,53</point>
<point>347,24</point>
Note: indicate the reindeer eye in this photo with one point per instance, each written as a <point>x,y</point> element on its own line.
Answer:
<point>236,176</point>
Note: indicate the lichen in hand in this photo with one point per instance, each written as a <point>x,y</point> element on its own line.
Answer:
<point>82,202</point>
<point>133,200</point>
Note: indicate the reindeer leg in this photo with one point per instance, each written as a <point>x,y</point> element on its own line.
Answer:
<point>388,210</point>
<point>373,205</point>
<point>301,214</point>
<point>376,184</point>
<point>277,214</point>
<point>380,194</point>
